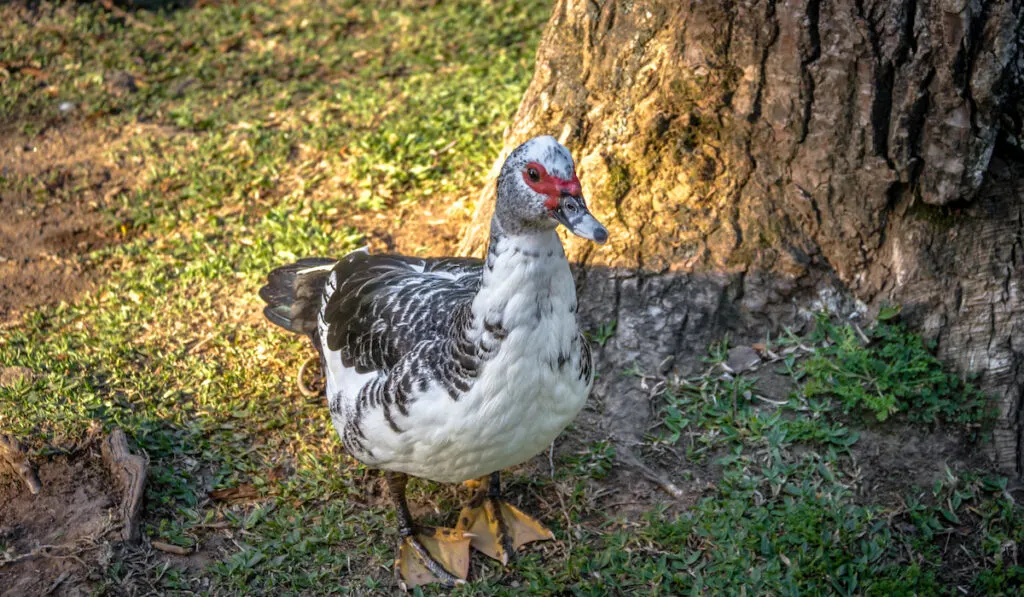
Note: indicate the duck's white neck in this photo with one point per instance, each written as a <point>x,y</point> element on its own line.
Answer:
<point>526,278</point>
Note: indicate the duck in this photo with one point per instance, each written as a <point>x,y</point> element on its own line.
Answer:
<point>452,369</point>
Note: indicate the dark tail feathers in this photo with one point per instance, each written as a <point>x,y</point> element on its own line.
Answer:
<point>293,294</point>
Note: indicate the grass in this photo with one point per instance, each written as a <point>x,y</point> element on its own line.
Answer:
<point>787,518</point>
<point>260,132</point>
<point>886,371</point>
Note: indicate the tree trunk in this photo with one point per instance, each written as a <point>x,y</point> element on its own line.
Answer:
<point>757,160</point>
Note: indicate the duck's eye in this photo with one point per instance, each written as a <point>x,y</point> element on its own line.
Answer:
<point>533,174</point>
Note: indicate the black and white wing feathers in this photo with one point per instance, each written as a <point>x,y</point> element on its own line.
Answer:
<point>378,308</point>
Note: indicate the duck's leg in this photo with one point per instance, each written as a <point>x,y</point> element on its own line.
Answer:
<point>426,554</point>
<point>497,528</point>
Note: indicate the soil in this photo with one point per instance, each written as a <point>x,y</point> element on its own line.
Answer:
<point>68,525</point>
<point>427,229</point>
<point>56,190</point>
<point>896,459</point>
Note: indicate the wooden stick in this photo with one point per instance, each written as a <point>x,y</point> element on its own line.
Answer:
<point>171,548</point>
<point>130,471</point>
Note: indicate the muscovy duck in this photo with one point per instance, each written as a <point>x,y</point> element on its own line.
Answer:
<point>452,369</point>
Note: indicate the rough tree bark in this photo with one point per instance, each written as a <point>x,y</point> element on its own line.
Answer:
<point>758,159</point>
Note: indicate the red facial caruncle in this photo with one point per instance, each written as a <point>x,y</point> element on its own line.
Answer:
<point>539,180</point>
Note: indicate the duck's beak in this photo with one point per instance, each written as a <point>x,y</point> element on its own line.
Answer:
<point>572,213</point>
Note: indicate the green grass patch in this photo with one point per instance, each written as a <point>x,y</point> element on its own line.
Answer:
<point>886,370</point>
<point>786,517</point>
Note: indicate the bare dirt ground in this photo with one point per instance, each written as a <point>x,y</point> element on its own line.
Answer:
<point>55,189</point>
<point>58,192</point>
<point>66,527</point>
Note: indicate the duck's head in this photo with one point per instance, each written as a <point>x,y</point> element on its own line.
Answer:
<point>538,190</point>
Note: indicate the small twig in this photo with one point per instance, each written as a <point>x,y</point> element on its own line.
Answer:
<point>438,153</point>
<point>607,507</point>
<point>64,576</point>
<point>775,402</point>
<point>39,551</point>
<point>597,495</point>
<point>551,458</point>
<point>863,336</point>
<point>629,458</point>
<point>195,347</point>
<point>171,548</point>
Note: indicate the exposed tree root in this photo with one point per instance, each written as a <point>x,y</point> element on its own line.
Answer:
<point>627,457</point>
<point>15,458</point>
<point>130,472</point>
